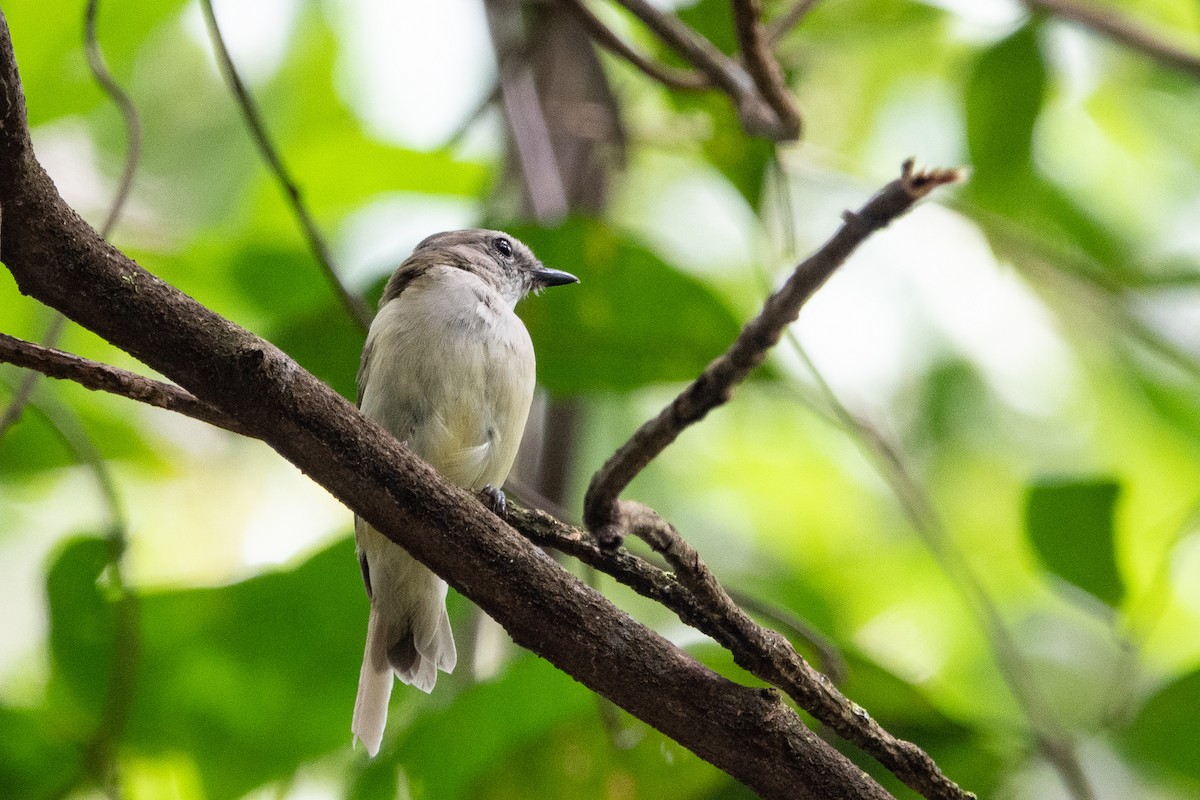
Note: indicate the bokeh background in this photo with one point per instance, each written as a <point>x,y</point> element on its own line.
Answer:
<point>972,466</point>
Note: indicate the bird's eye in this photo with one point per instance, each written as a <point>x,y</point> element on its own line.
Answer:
<point>503,246</point>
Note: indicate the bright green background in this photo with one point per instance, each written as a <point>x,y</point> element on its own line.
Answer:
<point>1069,491</point>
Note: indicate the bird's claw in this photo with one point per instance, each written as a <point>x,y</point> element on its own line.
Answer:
<point>494,499</point>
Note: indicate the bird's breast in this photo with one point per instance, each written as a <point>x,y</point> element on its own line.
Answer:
<point>451,373</point>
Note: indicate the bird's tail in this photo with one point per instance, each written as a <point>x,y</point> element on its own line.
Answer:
<point>424,643</point>
<point>408,634</point>
<point>374,686</point>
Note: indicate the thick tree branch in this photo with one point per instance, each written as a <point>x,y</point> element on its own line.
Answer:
<point>104,378</point>
<point>543,529</point>
<point>602,512</point>
<point>1122,30</point>
<point>56,258</point>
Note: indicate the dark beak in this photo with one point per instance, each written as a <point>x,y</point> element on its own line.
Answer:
<point>544,276</point>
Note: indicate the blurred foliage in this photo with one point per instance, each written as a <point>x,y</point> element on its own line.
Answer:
<point>1072,527</point>
<point>1032,346</point>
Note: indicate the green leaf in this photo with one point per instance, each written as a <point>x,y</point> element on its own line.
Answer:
<point>1168,390</point>
<point>255,678</point>
<point>447,749</point>
<point>326,342</point>
<point>1163,733</point>
<point>31,445</point>
<point>578,759</point>
<point>871,24</point>
<point>633,320</point>
<point>83,626</point>
<point>742,159</point>
<point>43,751</point>
<point>1070,524</point>
<point>344,170</point>
<point>278,282</point>
<point>36,760</point>
<point>713,19</point>
<point>1004,99</point>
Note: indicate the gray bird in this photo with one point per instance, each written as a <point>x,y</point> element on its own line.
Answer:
<point>448,369</point>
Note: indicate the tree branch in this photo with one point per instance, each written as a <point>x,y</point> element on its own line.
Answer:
<point>1122,30</point>
<point>668,76</point>
<point>56,258</point>
<point>757,116</point>
<point>104,378</point>
<point>762,66</point>
<point>602,512</point>
<point>691,46</point>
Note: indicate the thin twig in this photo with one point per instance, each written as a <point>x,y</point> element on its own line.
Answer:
<point>1122,30</point>
<point>29,381</point>
<point>124,103</point>
<point>119,698</point>
<point>1053,739</point>
<point>785,22</point>
<point>354,305</point>
<point>692,47</point>
<point>750,733</point>
<point>102,377</point>
<point>671,77</point>
<point>101,746</point>
<point>716,383</point>
<point>763,68</point>
<point>757,116</point>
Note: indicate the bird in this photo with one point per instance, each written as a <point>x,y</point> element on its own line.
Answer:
<point>448,369</point>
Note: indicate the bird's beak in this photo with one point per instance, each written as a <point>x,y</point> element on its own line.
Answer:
<point>544,276</point>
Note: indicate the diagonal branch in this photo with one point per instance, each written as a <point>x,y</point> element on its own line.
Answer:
<point>759,650</point>
<point>762,66</point>
<point>102,377</point>
<point>668,76</point>
<point>691,46</point>
<point>757,115</point>
<point>1122,30</point>
<point>714,386</point>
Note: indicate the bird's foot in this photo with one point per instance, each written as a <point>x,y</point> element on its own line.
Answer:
<point>494,499</point>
